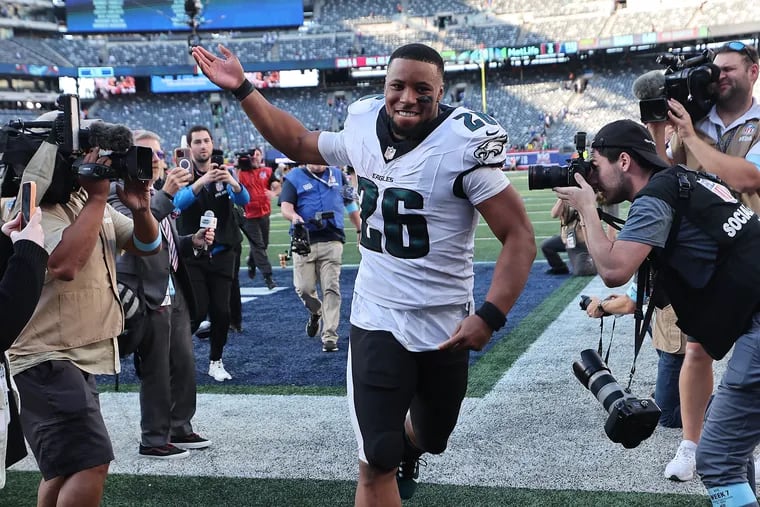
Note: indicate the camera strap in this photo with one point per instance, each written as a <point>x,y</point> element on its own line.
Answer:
<point>600,347</point>
<point>611,220</point>
<point>644,286</point>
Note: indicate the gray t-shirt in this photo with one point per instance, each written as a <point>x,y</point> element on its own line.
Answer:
<point>694,255</point>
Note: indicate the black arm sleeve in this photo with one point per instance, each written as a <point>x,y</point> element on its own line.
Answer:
<point>20,288</point>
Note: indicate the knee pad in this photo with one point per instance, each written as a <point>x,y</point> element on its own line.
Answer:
<point>385,450</point>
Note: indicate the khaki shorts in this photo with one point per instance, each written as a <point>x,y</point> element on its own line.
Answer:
<point>667,336</point>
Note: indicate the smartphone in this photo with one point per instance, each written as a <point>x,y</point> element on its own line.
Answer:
<point>184,159</point>
<point>217,158</point>
<point>28,200</point>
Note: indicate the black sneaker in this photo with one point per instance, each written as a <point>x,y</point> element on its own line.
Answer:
<point>312,326</point>
<point>407,477</point>
<point>561,270</point>
<point>329,346</point>
<point>191,441</point>
<point>270,283</point>
<point>251,271</point>
<point>167,451</point>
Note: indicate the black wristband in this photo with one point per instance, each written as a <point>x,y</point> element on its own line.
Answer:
<point>491,315</point>
<point>243,90</point>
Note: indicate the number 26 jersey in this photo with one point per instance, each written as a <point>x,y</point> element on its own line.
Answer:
<point>417,200</point>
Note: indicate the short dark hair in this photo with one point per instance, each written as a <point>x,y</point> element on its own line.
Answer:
<point>420,53</point>
<point>197,128</point>
<point>735,46</point>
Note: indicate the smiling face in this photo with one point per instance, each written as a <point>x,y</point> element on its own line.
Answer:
<point>413,90</point>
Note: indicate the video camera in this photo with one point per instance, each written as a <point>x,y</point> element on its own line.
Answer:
<point>19,141</point>
<point>631,420</point>
<point>550,176</point>
<point>299,241</point>
<point>693,82</point>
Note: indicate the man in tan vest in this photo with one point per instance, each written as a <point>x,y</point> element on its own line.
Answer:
<point>724,143</point>
<point>71,336</point>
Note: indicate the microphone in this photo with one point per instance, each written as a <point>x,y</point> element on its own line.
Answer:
<point>208,221</point>
<point>111,137</point>
<point>650,85</point>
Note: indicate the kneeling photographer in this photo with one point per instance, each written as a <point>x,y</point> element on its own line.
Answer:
<point>702,243</point>
<point>71,336</point>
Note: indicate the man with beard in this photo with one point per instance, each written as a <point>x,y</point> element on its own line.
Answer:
<point>213,189</point>
<point>724,143</point>
<point>425,170</point>
<point>703,245</point>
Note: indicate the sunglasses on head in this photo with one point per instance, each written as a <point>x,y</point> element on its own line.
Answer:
<point>739,47</point>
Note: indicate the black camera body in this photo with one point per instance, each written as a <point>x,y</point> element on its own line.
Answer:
<point>550,176</point>
<point>631,420</point>
<point>693,82</point>
<point>20,140</point>
<point>299,240</point>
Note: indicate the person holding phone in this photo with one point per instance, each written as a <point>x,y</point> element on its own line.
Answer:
<point>214,189</point>
<point>22,273</point>
<point>166,359</point>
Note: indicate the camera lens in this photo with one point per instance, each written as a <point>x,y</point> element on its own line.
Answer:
<point>595,376</point>
<point>548,176</point>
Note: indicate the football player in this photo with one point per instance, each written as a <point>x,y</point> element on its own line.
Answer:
<point>425,171</point>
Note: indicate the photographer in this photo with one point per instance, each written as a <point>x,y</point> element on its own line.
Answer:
<point>22,273</point>
<point>724,143</point>
<point>72,334</point>
<point>570,240</point>
<point>306,193</point>
<point>703,244</point>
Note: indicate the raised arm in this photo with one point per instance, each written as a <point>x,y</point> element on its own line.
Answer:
<point>280,128</point>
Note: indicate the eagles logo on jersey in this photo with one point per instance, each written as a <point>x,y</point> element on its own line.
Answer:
<point>491,151</point>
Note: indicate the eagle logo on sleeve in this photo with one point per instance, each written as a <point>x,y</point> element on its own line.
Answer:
<point>491,151</point>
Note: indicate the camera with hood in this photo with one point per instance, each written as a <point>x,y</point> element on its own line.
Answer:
<point>693,82</point>
<point>550,176</point>
<point>631,420</point>
<point>20,140</point>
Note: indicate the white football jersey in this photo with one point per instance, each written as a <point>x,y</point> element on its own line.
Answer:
<point>417,206</point>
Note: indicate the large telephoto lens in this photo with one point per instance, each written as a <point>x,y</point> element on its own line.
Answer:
<point>595,376</point>
<point>547,176</point>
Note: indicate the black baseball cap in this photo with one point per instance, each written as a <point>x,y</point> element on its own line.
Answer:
<point>627,135</point>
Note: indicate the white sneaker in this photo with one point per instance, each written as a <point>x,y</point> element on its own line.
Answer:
<point>216,370</point>
<point>757,470</point>
<point>684,464</point>
<point>205,327</point>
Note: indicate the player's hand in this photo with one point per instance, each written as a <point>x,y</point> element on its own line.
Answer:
<point>472,334</point>
<point>224,71</point>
